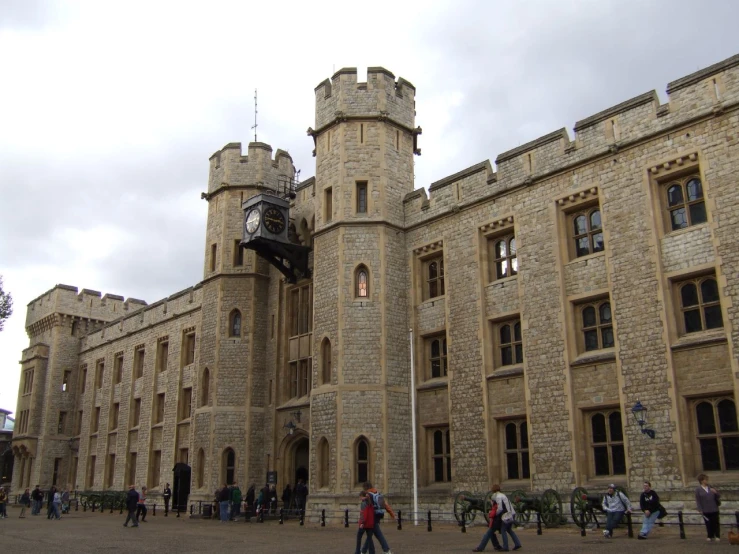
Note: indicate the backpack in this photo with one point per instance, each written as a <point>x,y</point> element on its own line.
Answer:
<point>379,501</point>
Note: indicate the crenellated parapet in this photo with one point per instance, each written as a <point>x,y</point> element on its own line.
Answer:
<point>342,98</point>
<point>230,168</point>
<point>64,304</point>
<point>703,94</point>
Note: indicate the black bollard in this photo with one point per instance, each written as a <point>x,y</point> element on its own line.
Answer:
<point>154,511</point>
<point>582,524</point>
<point>111,507</point>
<point>429,520</point>
<point>282,516</point>
<point>192,507</point>
<point>261,515</point>
<point>346,518</point>
<point>77,506</point>
<point>93,507</point>
<point>463,524</point>
<point>178,510</point>
<point>538,523</point>
<point>682,525</point>
<point>121,512</point>
<point>323,518</point>
<point>302,517</point>
<point>629,525</point>
<point>736,516</point>
<point>400,520</point>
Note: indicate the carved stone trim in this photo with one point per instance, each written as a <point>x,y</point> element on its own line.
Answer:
<point>679,161</point>
<point>586,194</point>
<point>498,225</point>
<point>429,248</point>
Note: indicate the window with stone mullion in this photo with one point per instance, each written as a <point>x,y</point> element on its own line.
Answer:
<point>607,443</point>
<point>597,326</point>
<point>517,450</point>
<point>510,344</point>
<point>686,204</point>
<point>700,305</point>
<point>718,434</point>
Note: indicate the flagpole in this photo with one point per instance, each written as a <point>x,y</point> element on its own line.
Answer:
<point>414,442</point>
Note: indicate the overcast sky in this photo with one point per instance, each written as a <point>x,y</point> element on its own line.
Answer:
<point>109,111</point>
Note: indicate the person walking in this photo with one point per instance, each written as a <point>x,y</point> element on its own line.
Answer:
<point>56,505</point>
<point>50,502</point>
<point>235,502</point>
<point>25,502</point>
<point>490,533</point>
<point>381,506</point>
<point>3,501</point>
<point>167,494</point>
<point>707,499</point>
<point>506,513</point>
<point>65,501</point>
<point>250,500</point>
<point>286,496</point>
<point>301,492</point>
<point>132,502</point>
<point>224,497</point>
<point>366,523</point>
<point>615,504</point>
<point>38,499</point>
<point>649,504</point>
<point>141,509</point>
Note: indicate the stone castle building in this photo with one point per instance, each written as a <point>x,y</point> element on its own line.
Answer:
<point>545,299</point>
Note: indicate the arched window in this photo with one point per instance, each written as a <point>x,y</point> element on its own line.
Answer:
<point>685,203</point>
<point>700,304</point>
<point>326,361</point>
<point>323,463</point>
<point>205,388</point>
<point>517,450</point>
<point>587,232</point>
<point>441,455</point>
<point>718,434</point>
<point>597,326</point>
<point>229,466</point>
<point>201,468</point>
<point>435,277</point>
<point>510,343</point>
<point>504,255</point>
<point>362,458</point>
<point>438,357</point>
<point>607,443</point>
<point>362,282</point>
<point>234,324</point>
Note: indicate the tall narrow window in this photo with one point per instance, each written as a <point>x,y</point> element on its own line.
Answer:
<point>96,420</point>
<point>99,373</point>
<point>28,381</point>
<point>83,378</point>
<point>435,277</point>
<point>138,364</point>
<point>213,252</point>
<point>718,434</point>
<point>510,346</point>
<point>441,458</point>
<point>66,380</point>
<point>238,253</point>
<point>597,326</point>
<point>361,455</point>
<point>700,305</point>
<point>162,355</point>
<point>229,465</point>
<point>201,468</point>
<point>189,348</point>
<point>156,468</point>
<point>159,405</point>
<point>587,232</point>
<point>607,443</point>
<point>328,205</point>
<point>78,423</point>
<point>132,458</point>
<point>437,357</point>
<point>186,403</point>
<point>517,450</point>
<point>136,412</point>
<point>234,327</point>
<point>111,471</point>
<point>62,423</point>
<point>57,470</point>
<point>300,357</point>
<point>362,197</point>
<point>91,472</point>
<point>326,361</point>
<point>323,463</point>
<point>118,369</point>
<point>205,388</point>
<point>114,412</point>
<point>362,282</point>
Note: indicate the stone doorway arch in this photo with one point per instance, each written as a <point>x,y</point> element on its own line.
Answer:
<point>295,459</point>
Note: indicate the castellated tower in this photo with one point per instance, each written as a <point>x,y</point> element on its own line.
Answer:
<point>234,333</point>
<point>365,141</point>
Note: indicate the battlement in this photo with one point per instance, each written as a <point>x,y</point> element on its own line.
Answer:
<point>705,93</point>
<point>85,304</point>
<point>343,97</point>
<point>230,167</point>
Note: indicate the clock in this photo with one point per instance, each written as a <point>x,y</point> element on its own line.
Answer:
<point>253,219</point>
<point>274,220</point>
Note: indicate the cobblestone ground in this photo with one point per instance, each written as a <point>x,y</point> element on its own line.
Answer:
<point>88,532</point>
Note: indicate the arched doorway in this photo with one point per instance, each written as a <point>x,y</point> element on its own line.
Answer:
<point>301,460</point>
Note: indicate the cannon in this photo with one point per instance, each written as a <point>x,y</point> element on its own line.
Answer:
<point>583,505</point>
<point>108,499</point>
<point>467,504</point>
<point>548,504</point>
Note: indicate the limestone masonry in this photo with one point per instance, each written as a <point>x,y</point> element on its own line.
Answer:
<point>545,299</point>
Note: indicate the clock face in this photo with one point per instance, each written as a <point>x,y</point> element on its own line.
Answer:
<point>274,220</point>
<point>252,221</point>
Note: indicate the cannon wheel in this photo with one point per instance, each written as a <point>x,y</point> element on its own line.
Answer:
<point>523,513</point>
<point>462,508</point>
<point>551,508</point>
<point>579,507</point>
<point>488,503</point>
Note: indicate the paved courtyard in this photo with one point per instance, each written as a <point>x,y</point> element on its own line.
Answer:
<point>96,532</point>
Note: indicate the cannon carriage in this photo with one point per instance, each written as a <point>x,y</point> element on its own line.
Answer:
<point>526,504</point>
<point>115,500</point>
<point>467,504</point>
<point>584,505</point>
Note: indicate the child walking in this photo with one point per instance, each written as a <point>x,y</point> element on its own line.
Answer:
<point>366,522</point>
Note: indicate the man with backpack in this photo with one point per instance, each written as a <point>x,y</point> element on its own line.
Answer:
<point>381,506</point>
<point>615,505</point>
